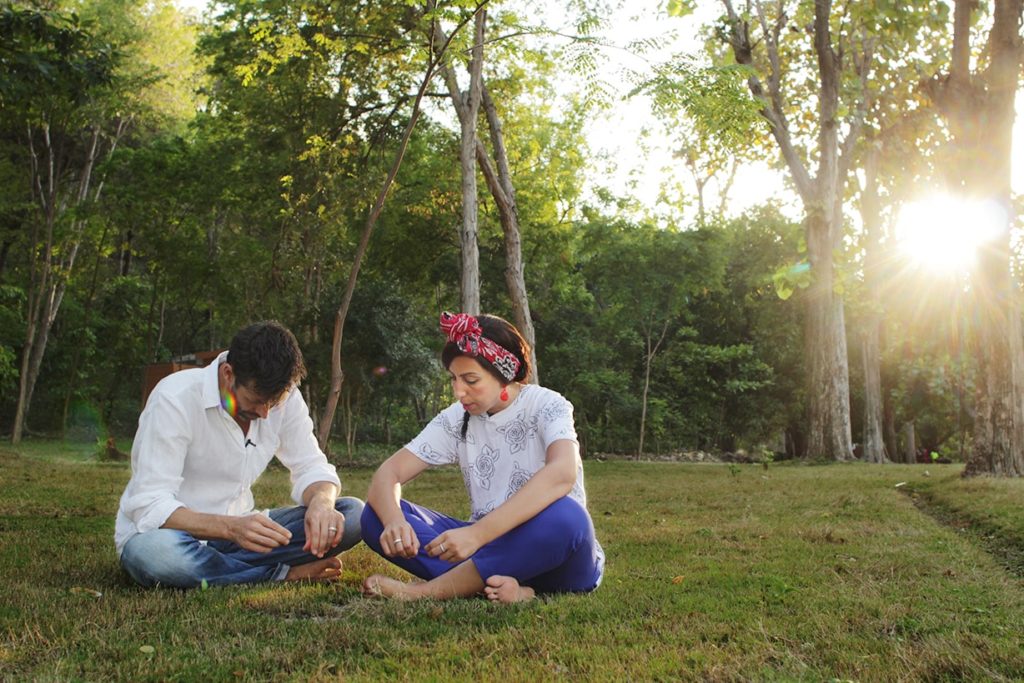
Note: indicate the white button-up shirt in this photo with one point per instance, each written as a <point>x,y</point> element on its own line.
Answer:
<point>189,452</point>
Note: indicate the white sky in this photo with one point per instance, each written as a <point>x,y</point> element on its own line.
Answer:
<point>639,170</point>
<point>633,156</point>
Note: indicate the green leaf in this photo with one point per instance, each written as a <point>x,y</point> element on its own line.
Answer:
<point>679,8</point>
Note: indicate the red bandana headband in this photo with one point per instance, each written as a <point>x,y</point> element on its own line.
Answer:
<point>465,332</point>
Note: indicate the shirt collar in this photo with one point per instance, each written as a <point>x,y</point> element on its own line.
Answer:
<point>211,384</point>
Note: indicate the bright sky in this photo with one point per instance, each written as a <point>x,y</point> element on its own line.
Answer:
<point>634,157</point>
<point>629,135</point>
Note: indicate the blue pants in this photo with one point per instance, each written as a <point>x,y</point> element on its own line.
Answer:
<point>169,557</point>
<point>554,552</point>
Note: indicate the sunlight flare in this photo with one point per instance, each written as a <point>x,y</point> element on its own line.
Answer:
<point>945,232</point>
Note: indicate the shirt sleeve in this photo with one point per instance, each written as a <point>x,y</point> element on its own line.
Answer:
<point>438,443</point>
<point>299,451</point>
<point>158,460</point>
<point>556,421</point>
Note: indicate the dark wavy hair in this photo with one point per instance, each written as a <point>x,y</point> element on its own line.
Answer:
<point>503,333</point>
<point>267,355</point>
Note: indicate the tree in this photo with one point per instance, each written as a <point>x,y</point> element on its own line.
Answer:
<point>58,75</point>
<point>498,177</point>
<point>821,194</point>
<point>648,312</point>
<point>337,375</point>
<point>979,110</point>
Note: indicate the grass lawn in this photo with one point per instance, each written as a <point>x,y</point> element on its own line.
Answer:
<point>714,573</point>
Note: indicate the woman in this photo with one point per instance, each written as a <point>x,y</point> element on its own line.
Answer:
<point>516,446</point>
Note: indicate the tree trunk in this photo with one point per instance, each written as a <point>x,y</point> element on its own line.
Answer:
<point>499,181</point>
<point>652,349</point>
<point>829,406</point>
<point>909,443</point>
<point>56,260</point>
<point>825,333</point>
<point>504,194</point>
<point>337,375</point>
<point>467,159</point>
<point>979,110</point>
<point>874,443</point>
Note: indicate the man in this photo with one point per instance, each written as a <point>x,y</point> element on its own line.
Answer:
<point>205,436</point>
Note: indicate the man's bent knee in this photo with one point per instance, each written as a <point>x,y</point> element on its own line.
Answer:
<point>160,557</point>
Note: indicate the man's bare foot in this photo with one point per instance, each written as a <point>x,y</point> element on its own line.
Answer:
<point>318,570</point>
<point>507,589</point>
<point>378,586</point>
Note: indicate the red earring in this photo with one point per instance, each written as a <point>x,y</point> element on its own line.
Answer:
<point>504,394</point>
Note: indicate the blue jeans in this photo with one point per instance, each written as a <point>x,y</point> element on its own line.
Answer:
<point>554,552</point>
<point>169,557</point>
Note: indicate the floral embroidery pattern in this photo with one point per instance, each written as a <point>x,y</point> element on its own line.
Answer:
<point>428,454</point>
<point>518,479</point>
<point>556,410</point>
<point>518,431</point>
<point>483,467</point>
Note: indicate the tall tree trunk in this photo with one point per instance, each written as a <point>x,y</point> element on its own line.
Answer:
<point>499,181</point>
<point>467,160</point>
<point>56,261</point>
<point>979,109</point>
<point>652,349</point>
<point>874,443</point>
<point>504,193</point>
<point>337,375</point>
<point>909,443</point>
<point>829,434</point>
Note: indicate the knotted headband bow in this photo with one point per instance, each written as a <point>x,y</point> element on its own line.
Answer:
<point>465,332</point>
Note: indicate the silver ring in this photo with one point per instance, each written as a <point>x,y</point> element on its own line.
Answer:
<point>442,548</point>
<point>332,528</point>
<point>397,540</point>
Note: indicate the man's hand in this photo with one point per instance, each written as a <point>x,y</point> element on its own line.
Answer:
<point>258,533</point>
<point>324,525</point>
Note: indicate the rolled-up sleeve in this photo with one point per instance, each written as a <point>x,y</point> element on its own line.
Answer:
<point>158,458</point>
<point>299,451</point>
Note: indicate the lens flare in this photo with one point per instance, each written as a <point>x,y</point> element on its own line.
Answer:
<point>380,371</point>
<point>944,233</point>
<point>229,403</point>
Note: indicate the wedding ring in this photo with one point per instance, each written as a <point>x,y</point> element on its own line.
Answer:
<point>332,528</point>
<point>442,548</point>
<point>397,540</point>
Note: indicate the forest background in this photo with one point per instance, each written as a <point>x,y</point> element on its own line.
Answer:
<point>352,169</point>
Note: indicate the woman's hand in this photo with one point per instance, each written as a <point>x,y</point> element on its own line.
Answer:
<point>399,540</point>
<point>455,545</point>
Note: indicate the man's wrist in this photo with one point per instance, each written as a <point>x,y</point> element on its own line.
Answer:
<point>322,496</point>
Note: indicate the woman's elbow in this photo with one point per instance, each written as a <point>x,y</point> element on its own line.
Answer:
<point>564,483</point>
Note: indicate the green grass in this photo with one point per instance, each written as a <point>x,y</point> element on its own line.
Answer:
<point>714,573</point>
<point>989,510</point>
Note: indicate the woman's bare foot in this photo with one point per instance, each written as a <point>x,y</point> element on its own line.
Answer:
<point>507,589</point>
<point>378,586</point>
<point>318,570</point>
